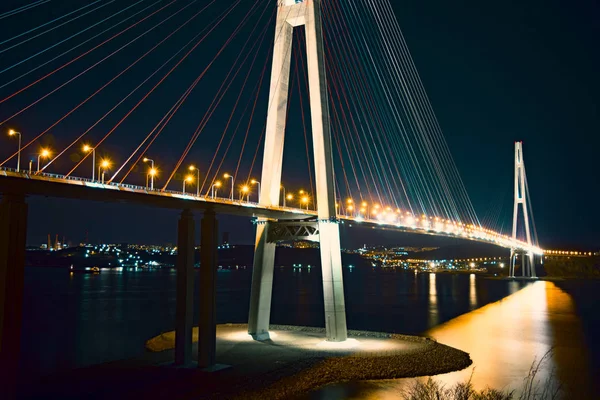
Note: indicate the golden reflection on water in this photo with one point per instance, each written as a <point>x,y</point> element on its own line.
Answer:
<point>434,316</point>
<point>472,292</point>
<point>504,338</point>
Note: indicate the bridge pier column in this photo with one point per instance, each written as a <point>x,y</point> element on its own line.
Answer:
<point>333,283</point>
<point>262,284</point>
<point>511,264</point>
<point>185,289</point>
<point>207,329</point>
<point>13,235</point>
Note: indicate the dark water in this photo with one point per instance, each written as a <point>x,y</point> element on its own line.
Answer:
<point>78,320</point>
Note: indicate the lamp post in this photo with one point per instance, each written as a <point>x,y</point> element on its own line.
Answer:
<point>282,188</point>
<point>86,149</point>
<point>193,168</point>
<point>44,153</point>
<point>232,183</point>
<point>289,197</point>
<point>245,191</point>
<point>255,182</point>
<point>12,132</point>
<point>216,185</point>
<point>305,200</point>
<point>188,179</point>
<point>104,165</point>
<point>146,159</point>
<point>151,174</point>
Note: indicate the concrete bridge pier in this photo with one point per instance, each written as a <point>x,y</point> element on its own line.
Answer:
<point>185,289</point>
<point>13,235</point>
<point>262,284</point>
<point>207,328</point>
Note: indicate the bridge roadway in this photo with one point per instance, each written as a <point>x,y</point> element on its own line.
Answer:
<point>53,185</point>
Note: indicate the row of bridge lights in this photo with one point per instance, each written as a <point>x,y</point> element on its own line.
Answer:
<point>105,164</point>
<point>568,253</point>
<point>355,210</point>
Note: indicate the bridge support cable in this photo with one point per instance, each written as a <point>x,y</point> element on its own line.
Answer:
<point>400,103</point>
<point>93,65</point>
<point>40,65</point>
<point>415,84</point>
<point>348,57</point>
<point>160,126</point>
<point>26,7</point>
<point>342,63</point>
<point>148,93</point>
<point>129,94</point>
<point>402,136</point>
<point>220,93</point>
<point>56,27</point>
<point>224,89</point>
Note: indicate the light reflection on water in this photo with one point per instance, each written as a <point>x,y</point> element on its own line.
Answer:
<point>88,319</point>
<point>503,339</point>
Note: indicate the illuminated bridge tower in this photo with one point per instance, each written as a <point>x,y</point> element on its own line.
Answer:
<point>521,198</point>
<point>290,15</point>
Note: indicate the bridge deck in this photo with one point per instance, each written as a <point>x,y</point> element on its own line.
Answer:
<point>52,185</point>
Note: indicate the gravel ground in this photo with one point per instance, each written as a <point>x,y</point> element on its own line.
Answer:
<point>294,363</point>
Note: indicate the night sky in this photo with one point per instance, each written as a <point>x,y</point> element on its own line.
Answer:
<point>494,72</point>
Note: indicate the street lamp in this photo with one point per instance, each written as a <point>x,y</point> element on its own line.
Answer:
<point>216,185</point>
<point>289,197</point>
<point>282,188</point>
<point>193,168</point>
<point>226,176</point>
<point>188,179</point>
<point>305,200</point>
<point>12,132</point>
<point>245,191</point>
<point>45,153</point>
<point>104,165</point>
<point>146,159</point>
<point>86,149</point>
<point>152,173</point>
<point>255,182</point>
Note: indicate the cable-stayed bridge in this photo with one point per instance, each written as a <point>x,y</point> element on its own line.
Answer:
<point>171,103</point>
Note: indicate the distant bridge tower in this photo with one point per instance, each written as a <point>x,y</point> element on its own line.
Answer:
<point>292,14</point>
<point>521,198</point>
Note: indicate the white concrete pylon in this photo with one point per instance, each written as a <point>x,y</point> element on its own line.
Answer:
<point>521,199</point>
<point>292,14</point>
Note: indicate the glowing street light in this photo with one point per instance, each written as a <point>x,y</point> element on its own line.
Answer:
<point>188,179</point>
<point>216,185</point>
<point>45,153</point>
<point>146,159</point>
<point>227,176</point>
<point>305,200</point>
<point>289,197</point>
<point>151,174</point>
<point>245,191</point>
<point>193,168</point>
<point>86,149</point>
<point>104,165</point>
<point>12,132</point>
<point>255,182</point>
